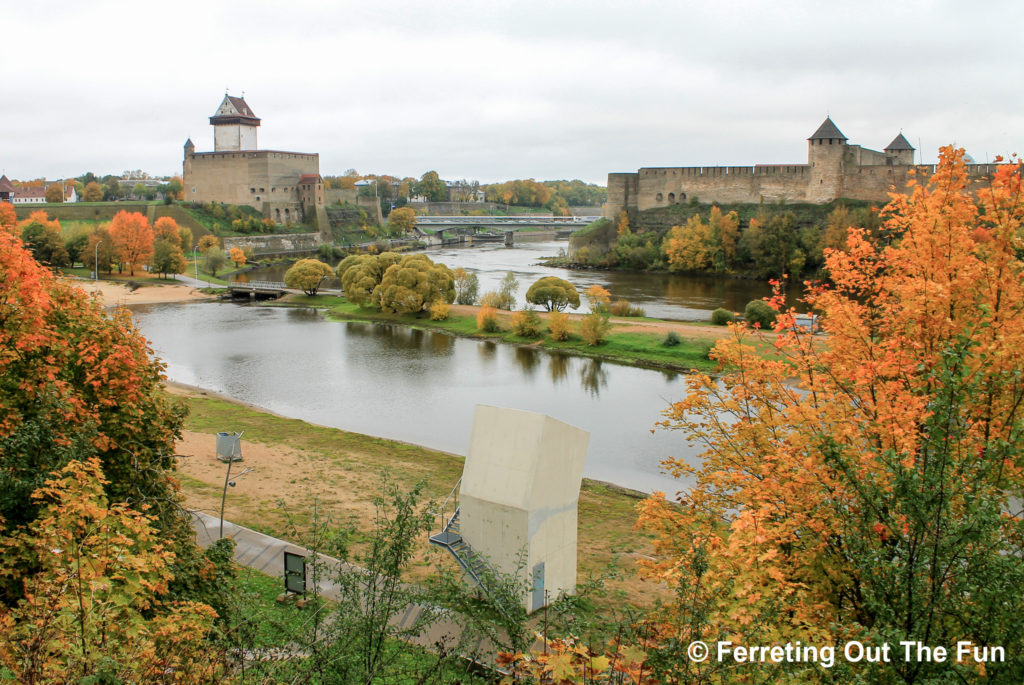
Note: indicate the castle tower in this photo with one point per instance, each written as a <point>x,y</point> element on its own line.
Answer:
<point>234,125</point>
<point>900,151</point>
<point>826,150</point>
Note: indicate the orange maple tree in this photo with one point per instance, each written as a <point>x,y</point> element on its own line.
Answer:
<point>7,216</point>
<point>864,484</point>
<point>167,228</point>
<point>133,239</point>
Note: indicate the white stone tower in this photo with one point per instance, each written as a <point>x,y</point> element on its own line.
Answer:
<point>518,501</point>
<point>234,125</point>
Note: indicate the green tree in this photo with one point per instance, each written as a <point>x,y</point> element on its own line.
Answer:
<point>506,294</point>
<point>554,294</point>
<point>214,260</point>
<point>43,237</point>
<point>413,284</point>
<point>168,257</point>
<point>307,275</point>
<point>185,238</point>
<point>432,187</point>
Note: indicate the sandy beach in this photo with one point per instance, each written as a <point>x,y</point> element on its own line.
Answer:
<point>118,295</point>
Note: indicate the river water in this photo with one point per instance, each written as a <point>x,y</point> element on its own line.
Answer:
<point>416,386</point>
<point>422,387</point>
<point>665,296</point>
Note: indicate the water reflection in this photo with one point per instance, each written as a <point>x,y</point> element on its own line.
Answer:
<point>593,377</point>
<point>558,366</point>
<point>294,362</point>
<point>528,359</point>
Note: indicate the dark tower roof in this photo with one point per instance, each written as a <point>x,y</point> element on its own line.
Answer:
<point>5,185</point>
<point>827,130</point>
<point>190,144</point>
<point>236,111</point>
<point>898,143</point>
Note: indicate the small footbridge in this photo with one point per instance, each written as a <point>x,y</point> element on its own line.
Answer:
<point>257,290</point>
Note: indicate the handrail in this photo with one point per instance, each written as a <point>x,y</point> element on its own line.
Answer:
<point>453,493</point>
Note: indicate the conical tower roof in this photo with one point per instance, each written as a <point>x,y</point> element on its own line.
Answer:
<point>828,130</point>
<point>898,143</point>
<point>5,185</point>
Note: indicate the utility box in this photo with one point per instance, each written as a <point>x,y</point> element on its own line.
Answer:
<point>229,446</point>
<point>519,498</point>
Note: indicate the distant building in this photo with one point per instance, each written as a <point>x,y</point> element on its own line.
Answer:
<point>835,169</point>
<point>283,186</point>
<point>29,195</point>
<point>6,189</point>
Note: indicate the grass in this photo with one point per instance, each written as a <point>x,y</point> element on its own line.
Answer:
<point>143,278</point>
<point>353,462</point>
<point>639,349</point>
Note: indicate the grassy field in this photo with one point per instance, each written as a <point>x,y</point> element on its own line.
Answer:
<point>639,341</point>
<point>143,278</point>
<point>301,463</point>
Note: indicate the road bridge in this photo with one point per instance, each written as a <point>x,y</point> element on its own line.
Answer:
<point>505,223</point>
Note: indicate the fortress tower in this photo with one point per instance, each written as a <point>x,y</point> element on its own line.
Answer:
<point>284,186</point>
<point>826,152</point>
<point>900,151</point>
<point>234,125</point>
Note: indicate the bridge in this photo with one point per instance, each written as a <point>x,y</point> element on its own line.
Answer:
<point>505,222</point>
<point>257,289</point>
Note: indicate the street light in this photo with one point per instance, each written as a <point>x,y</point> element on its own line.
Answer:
<point>195,258</point>
<point>96,260</point>
<point>227,482</point>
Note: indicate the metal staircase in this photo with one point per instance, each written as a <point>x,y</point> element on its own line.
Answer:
<point>474,564</point>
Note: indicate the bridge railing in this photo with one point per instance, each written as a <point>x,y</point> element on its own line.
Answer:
<point>257,285</point>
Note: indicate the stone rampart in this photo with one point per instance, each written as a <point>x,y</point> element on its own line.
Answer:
<point>275,244</point>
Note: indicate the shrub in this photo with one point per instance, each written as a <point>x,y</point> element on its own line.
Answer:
<point>487,320</point>
<point>558,326</point>
<point>671,339</point>
<point>721,317</point>
<point>759,312</point>
<point>439,311</point>
<point>526,323</point>
<point>621,307</point>
<point>594,328</point>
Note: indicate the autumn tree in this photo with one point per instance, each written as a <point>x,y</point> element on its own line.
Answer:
<point>167,228</point>
<point>413,284</point>
<point>99,253</point>
<point>207,241</point>
<point>402,220</point>
<point>307,275</point>
<point>8,217</point>
<point>133,239</point>
<point>93,606</point>
<point>93,192</point>
<point>55,193</point>
<point>689,247</point>
<point>42,236</point>
<point>622,227</point>
<point>725,234</point>
<point>467,286</point>
<point>237,256</point>
<point>185,238</point>
<point>595,326</point>
<point>554,294</point>
<point>362,274</point>
<point>865,485</point>
<point>76,383</point>
<point>214,260</point>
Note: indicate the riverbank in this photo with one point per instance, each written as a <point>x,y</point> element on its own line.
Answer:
<point>639,341</point>
<point>115,294</point>
<point>298,464</point>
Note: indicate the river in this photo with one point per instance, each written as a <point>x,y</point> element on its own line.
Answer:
<point>664,296</point>
<point>413,385</point>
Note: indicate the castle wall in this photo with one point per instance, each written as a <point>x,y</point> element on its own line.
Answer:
<point>663,186</point>
<point>262,179</point>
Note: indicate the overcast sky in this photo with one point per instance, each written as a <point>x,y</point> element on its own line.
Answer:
<point>493,90</point>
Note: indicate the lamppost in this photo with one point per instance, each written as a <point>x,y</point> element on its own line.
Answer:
<point>227,482</point>
<point>96,260</point>
<point>195,258</point>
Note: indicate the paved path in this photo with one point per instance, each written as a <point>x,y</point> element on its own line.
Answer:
<point>266,554</point>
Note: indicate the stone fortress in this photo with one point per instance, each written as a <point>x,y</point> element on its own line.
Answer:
<point>835,169</point>
<point>284,186</point>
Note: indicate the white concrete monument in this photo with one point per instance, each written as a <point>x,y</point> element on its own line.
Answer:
<point>519,496</point>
